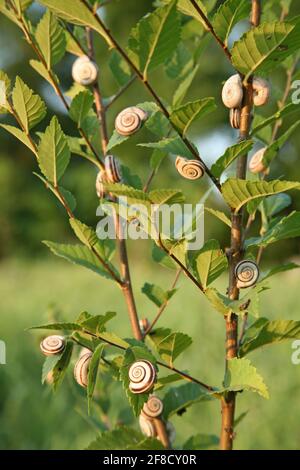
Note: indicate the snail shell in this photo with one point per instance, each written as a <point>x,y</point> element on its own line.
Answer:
<point>142,375</point>
<point>189,169</point>
<point>81,369</point>
<point>147,426</point>
<point>235,118</point>
<point>53,345</point>
<point>144,324</point>
<point>153,408</point>
<point>232,92</point>
<point>112,169</point>
<point>101,178</point>
<point>256,164</point>
<point>84,351</point>
<point>246,273</point>
<point>261,91</point>
<point>85,71</point>
<point>130,120</point>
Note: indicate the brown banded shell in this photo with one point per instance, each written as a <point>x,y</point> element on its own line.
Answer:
<point>235,118</point>
<point>189,169</point>
<point>130,120</point>
<point>261,91</point>
<point>112,169</point>
<point>53,345</point>
<point>101,178</point>
<point>142,376</point>
<point>153,408</point>
<point>232,92</point>
<point>256,164</point>
<point>246,273</point>
<point>144,324</point>
<point>85,71</point>
<point>147,426</point>
<point>81,369</point>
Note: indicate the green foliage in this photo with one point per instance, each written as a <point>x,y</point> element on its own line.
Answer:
<point>61,367</point>
<point>81,106</point>
<point>209,263</point>
<point>229,156</point>
<point>51,39</point>
<point>287,227</point>
<point>177,400</point>
<point>28,106</point>
<point>157,294</point>
<point>168,344</point>
<point>124,438</point>
<point>242,375</point>
<point>228,15</point>
<point>202,442</point>
<point>93,371</point>
<point>20,135</point>
<point>184,116</point>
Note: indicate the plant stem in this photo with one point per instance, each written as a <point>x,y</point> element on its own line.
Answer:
<point>235,255</point>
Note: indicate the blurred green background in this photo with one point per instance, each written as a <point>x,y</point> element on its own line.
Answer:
<point>33,285</point>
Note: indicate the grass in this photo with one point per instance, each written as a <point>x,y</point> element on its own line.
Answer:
<point>32,417</point>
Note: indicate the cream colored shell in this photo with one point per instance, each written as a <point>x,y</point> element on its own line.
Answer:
<point>256,164</point>
<point>53,345</point>
<point>112,169</point>
<point>261,91</point>
<point>246,273</point>
<point>147,426</point>
<point>81,369</point>
<point>130,120</point>
<point>153,408</point>
<point>189,169</point>
<point>235,118</point>
<point>232,92</point>
<point>101,178</point>
<point>142,376</point>
<point>85,71</point>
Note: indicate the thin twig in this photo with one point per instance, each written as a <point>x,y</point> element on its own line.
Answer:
<point>120,92</point>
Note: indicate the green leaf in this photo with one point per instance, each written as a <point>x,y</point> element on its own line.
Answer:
<point>75,11</point>
<point>265,47</point>
<point>209,262</point>
<point>119,189</point>
<point>167,380</point>
<point>29,107</point>
<point>183,87</point>
<point>78,254</point>
<point>96,323</point>
<point>166,196</point>
<point>84,233</point>
<point>49,364</point>
<point>156,159</point>
<point>174,145</point>
<point>124,438</point>
<point>58,326</point>
<point>42,71</point>
<point>181,62</point>
<point>170,345</point>
<point>277,203</point>
<point>53,152</point>
<point>202,442</point>
<point>132,355</point>
<point>81,106</point>
<point>20,135</point>
<point>187,8</point>
<point>265,332</point>
<point>115,140</point>
<point>62,194</point>
<point>230,155</point>
<point>273,149</point>
<point>178,399</point>
<point>242,375</point>
<point>238,192</point>
<point>120,69</point>
<point>4,107</point>
<point>185,115</point>
<point>158,124</point>
<point>281,113</point>
<point>150,42</point>
<point>157,294</point>
<point>51,39</point>
<point>159,256</point>
<point>287,227</point>
<point>61,366</point>
<point>228,15</point>
<point>219,215</point>
<point>278,269</point>
<point>92,373</point>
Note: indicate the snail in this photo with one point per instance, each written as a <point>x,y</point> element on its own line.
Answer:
<point>101,178</point>
<point>261,91</point>
<point>81,369</point>
<point>53,345</point>
<point>112,169</point>
<point>142,375</point>
<point>246,273</point>
<point>235,118</point>
<point>144,324</point>
<point>256,164</point>
<point>147,426</point>
<point>232,92</point>
<point>189,169</point>
<point>130,120</point>
<point>85,71</point>
<point>153,408</point>
<point>84,351</point>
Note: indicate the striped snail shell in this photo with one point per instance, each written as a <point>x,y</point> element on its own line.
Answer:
<point>142,375</point>
<point>81,369</point>
<point>53,345</point>
<point>101,178</point>
<point>261,91</point>
<point>84,351</point>
<point>256,164</point>
<point>84,71</point>
<point>130,120</point>
<point>112,169</point>
<point>153,408</point>
<point>189,169</point>
<point>147,426</point>
<point>235,118</point>
<point>144,324</point>
<point>246,273</point>
<point>232,92</point>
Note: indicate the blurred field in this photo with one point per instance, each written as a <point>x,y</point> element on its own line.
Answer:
<point>33,418</point>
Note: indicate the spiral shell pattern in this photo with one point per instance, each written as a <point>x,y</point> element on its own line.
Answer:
<point>84,71</point>
<point>246,273</point>
<point>53,345</point>
<point>235,118</point>
<point>101,178</point>
<point>261,91</point>
<point>153,408</point>
<point>189,169</point>
<point>232,92</point>
<point>130,120</point>
<point>112,169</point>
<point>147,426</point>
<point>256,164</point>
<point>81,369</point>
<point>142,375</point>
